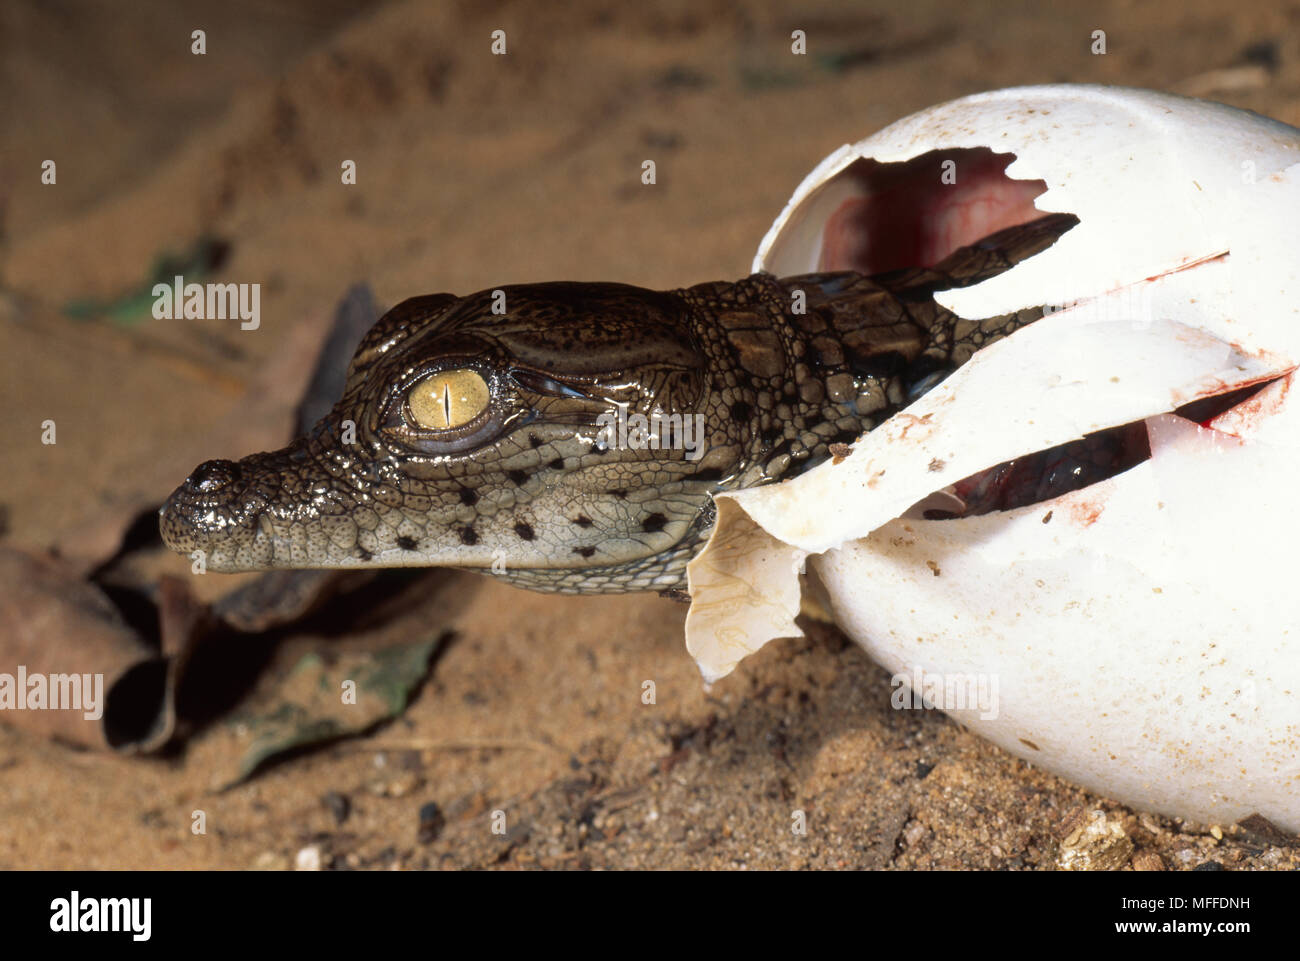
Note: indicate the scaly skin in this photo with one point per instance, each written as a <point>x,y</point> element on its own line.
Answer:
<point>526,485</point>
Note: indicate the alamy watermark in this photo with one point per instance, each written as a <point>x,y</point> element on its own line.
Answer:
<point>53,692</point>
<point>75,914</point>
<point>659,431</point>
<point>1133,304</point>
<point>947,692</point>
<point>179,300</point>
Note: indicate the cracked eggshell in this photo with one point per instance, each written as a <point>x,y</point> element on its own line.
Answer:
<point>1142,639</point>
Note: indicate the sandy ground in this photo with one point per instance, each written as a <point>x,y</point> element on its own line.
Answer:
<point>476,170</point>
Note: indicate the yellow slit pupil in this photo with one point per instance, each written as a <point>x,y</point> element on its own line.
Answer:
<point>449,398</point>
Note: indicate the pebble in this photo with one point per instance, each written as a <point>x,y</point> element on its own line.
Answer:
<point>1094,843</point>
<point>338,805</point>
<point>1148,861</point>
<point>432,822</point>
<point>271,861</point>
<point>308,859</point>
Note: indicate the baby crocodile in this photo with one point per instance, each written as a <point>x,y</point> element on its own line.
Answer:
<point>498,431</point>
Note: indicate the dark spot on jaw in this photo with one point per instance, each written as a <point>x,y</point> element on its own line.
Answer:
<point>406,543</point>
<point>741,412</point>
<point>620,493</point>
<point>468,497</point>
<point>557,464</point>
<point>524,531</point>
<point>597,449</point>
<point>708,474</point>
<point>655,522</point>
<point>518,476</point>
<point>467,536</point>
<point>364,554</point>
<point>582,520</point>
<point>584,551</point>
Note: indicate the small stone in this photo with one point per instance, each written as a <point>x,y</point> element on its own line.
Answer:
<point>271,861</point>
<point>1098,844</point>
<point>1149,824</point>
<point>338,805</point>
<point>403,784</point>
<point>432,822</point>
<point>1148,861</point>
<point>1259,829</point>
<point>308,859</point>
<point>1071,826</point>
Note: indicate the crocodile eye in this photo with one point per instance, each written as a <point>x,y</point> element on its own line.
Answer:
<point>447,399</point>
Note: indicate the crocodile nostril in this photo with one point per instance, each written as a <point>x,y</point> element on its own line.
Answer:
<point>212,475</point>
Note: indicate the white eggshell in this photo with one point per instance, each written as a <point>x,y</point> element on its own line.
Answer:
<point>1142,642</point>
